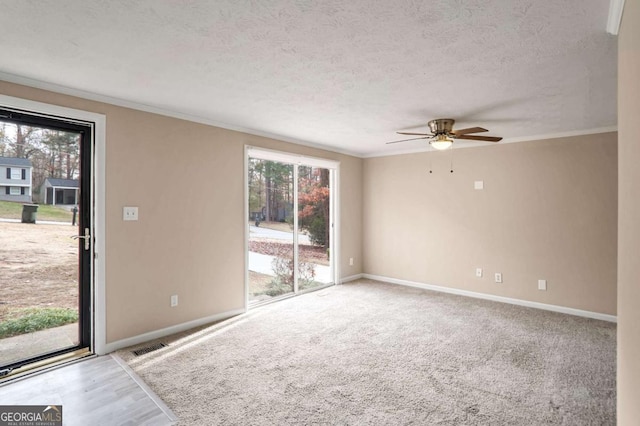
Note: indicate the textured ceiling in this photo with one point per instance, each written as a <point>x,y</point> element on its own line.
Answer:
<point>343,74</point>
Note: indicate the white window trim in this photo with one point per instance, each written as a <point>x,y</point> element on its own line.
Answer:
<point>15,172</point>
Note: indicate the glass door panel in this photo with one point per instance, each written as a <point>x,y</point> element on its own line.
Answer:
<point>271,230</point>
<point>314,227</point>
<point>44,271</point>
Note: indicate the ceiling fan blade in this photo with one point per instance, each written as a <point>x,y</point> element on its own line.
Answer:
<point>414,134</point>
<point>405,140</point>
<point>469,130</point>
<point>478,138</point>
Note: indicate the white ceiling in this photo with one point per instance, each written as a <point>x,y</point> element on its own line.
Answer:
<point>342,74</point>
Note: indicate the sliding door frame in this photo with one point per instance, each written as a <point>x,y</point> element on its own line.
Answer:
<point>334,209</point>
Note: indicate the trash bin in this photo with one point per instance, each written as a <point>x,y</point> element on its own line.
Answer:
<point>29,213</point>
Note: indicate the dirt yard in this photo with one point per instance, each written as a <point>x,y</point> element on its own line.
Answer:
<point>38,266</point>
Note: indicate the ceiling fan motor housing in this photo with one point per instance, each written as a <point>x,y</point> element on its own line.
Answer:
<point>441,126</point>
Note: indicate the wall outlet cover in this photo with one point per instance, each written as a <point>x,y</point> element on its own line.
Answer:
<point>542,285</point>
<point>498,277</point>
<point>479,272</point>
<point>129,213</point>
<point>479,184</point>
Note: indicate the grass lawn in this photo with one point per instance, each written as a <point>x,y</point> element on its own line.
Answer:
<point>12,210</point>
<point>33,319</point>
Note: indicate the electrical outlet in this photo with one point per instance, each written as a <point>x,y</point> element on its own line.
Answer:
<point>129,213</point>
<point>479,184</point>
<point>174,300</point>
<point>351,261</point>
<point>542,285</point>
<point>479,272</point>
<point>498,277</point>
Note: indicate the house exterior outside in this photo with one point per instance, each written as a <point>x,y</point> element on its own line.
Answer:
<point>59,191</point>
<point>16,177</point>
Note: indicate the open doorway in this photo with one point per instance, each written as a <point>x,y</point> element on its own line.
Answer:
<point>45,244</point>
<point>291,235</point>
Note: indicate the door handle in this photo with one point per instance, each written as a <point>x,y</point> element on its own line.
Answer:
<point>86,237</point>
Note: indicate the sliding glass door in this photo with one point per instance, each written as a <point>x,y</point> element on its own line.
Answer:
<point>290,213</point>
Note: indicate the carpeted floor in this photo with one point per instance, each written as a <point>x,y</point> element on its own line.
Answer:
<point>381,354</point>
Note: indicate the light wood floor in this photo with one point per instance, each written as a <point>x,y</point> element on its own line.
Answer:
<point>97,391</point>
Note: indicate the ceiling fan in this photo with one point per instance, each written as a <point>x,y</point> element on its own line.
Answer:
<point>442,134</point>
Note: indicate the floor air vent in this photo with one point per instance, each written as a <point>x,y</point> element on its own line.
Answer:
<point>148,349</point>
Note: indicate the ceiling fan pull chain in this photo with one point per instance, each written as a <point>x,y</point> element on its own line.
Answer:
<point>452,159</point>
<point>430,158</point>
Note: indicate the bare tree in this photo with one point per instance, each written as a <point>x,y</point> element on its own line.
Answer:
<point>53,153</point>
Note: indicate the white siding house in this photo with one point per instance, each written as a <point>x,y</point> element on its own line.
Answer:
<point>16,176</point>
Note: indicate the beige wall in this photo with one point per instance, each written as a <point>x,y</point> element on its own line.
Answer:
<point>629,216</point>
<point>548,211</point>
<point>190,238</point>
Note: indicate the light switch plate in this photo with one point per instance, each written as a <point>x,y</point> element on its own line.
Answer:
<point>479,272</point>
<point>129,213</point>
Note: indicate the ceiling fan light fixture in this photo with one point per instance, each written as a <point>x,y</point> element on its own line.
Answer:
<point>441,142</point>
<point>442,134</point>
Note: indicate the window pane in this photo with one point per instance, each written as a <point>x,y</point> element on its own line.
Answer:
<point>314,223</point>
<point>271,260</point>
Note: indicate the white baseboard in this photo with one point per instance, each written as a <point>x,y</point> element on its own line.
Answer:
<point>350,278</point>
<point>145,337</point>
<point>520,302</point>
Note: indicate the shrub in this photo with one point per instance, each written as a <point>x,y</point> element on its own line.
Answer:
<point>282,266</point>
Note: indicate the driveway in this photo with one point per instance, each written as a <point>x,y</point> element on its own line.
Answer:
<point>258,232</point>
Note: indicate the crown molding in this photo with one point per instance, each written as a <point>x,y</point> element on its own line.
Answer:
<point>571,133</point>
<point>52,87</point>
<point>615,16</point>
<point>593,131</point>
<point>65,90</point>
